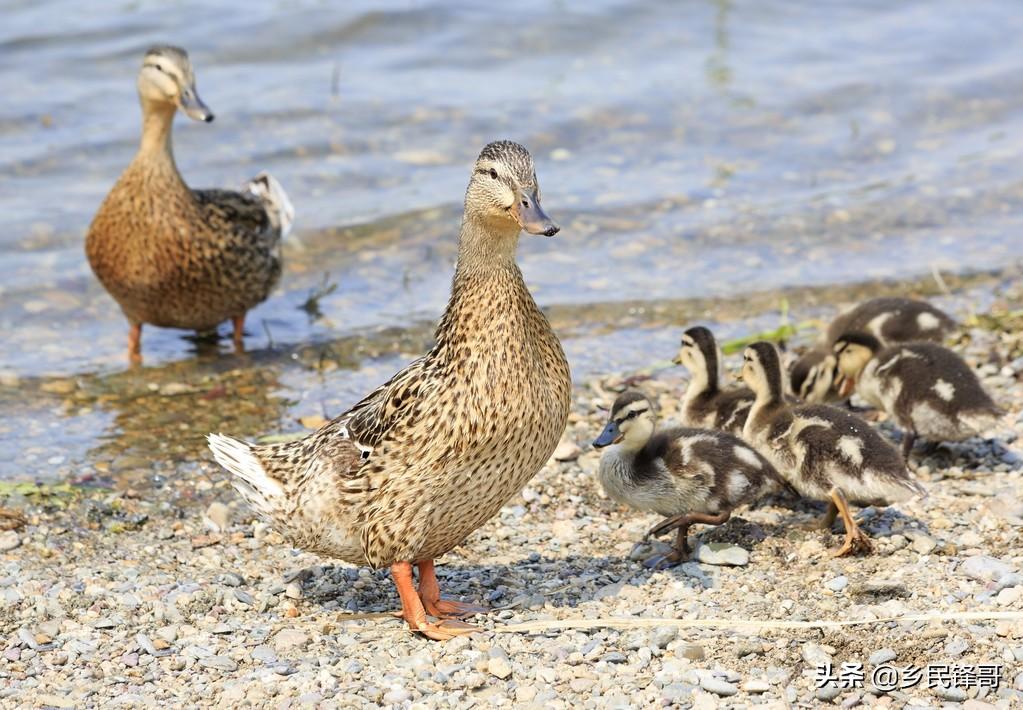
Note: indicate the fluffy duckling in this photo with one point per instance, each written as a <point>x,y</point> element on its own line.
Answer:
<point>889,319</point>
<point>706,404</point>
<point>927,389</point>
<point>687,475</point>
<point>892,319</point>
<point>826,453</point>
<point>172,256</point>
<point>428,457</point>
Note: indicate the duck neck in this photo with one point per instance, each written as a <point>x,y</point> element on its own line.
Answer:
<point>486,246</point>
<point>155,147</point>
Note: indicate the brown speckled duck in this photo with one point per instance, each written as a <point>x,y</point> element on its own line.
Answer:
<point>926,388</point>
<point>826,453</point>
<point>176,257</point>
<point>687,475</point>
<point>706,404</point>
<point>407,473</point>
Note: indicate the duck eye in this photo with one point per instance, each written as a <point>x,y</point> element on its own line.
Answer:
<point>158,67</point>
<point>493,173</point>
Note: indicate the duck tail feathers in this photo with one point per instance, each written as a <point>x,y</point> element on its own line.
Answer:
<point>275,201</point>
<point>250,478</point>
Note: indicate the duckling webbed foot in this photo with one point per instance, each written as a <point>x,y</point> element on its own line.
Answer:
<point>856,541</point>
<point>680,550</point>
<point>429,593</point>
<point>414,613</point>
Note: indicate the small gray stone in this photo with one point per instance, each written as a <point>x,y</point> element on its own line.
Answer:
<point>692,651</point>
<point>956,647</point>
<point>984,568</point>
<point>263,654</point>
<point>721,553</point>
<point>663,635</point>
<point>756,687</point>
<point>952,693</point>
<point>9,540</point>
<point>614,657</point>
<point>718,686</point>
<point>880,656</point>
<point>828,692</point>
<point>220,663</point>
<point>396,696</point>
<point>814,655</point>
<point>837,584</point>
<point>287,639</point>
<point>499,667</point>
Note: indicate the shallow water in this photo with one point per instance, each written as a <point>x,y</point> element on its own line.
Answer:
<point>690,151</point>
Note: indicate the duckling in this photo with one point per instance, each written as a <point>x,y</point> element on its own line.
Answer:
<point>826,453</point>
<point>926,388</point>
<point>813,375</point>
<point>890,319</point>
<point>706,404</point>
<point>688,475</point>
<point>894,320</point>
<point>172,256</point>
<point>410,471</point>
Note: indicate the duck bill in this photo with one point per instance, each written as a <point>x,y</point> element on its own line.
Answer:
<point>677,360</point>
<point>193,106</point>
<point>610,435</point>
<point>531,217</point>
<point>846,385</point>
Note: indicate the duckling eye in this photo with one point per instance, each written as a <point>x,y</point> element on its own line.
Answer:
<point>493,173</point>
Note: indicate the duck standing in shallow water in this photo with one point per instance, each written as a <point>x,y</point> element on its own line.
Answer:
<point>176,257</point>
<point>926,388</point>
<point>687,475</point>
<point>825,452</point>
<point>407,473</point>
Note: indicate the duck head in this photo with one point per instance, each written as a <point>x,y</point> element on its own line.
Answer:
<point>813,375</point>
<point>853,351</point>
<point>504,194</point>
<point>166,79</point>
<point>631,422</point>
<point>698,352</point>
<point>761,371</point>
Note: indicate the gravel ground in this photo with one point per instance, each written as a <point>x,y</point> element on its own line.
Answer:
<point>179,596</point>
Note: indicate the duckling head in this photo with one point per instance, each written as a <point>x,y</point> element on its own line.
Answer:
<point>166,78</point>
<point>698,352</point>
<point>761,371</point>
<point>853,351</point>
<point>813,375</point>
<point>503,193</point>
<point>631,423</point>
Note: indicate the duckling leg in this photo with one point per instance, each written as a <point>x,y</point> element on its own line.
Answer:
<point>413,612</point>
<point>239,333</point>
<point>908,439</point>
<point>680,550</point>
<point>856,541</point>
<point>135,343</point>
<point>429,593</point>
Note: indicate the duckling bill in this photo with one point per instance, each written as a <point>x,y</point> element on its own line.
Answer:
<point>926,388</point>
<point>172,256</point>
<point>421,462</point>
<point>824,452</point>
<point>687,475</point>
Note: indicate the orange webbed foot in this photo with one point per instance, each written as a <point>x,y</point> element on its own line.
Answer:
<point>452,609</point>
<point>445,629</point>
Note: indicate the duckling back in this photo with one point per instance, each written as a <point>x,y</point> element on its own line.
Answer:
<point>894,320</point>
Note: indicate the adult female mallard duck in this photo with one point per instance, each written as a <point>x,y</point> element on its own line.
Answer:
<point>926,388</point>
<point>687,475</point>
<point>826,453</point>
<point>706,404</point>
<point>890,319</point>
<point>176,257</point>
<point>407,473</point>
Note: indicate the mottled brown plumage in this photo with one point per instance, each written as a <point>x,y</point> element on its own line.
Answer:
<point>411,470</point>
<point>176,257</point>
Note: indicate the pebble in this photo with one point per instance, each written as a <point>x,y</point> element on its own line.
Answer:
<point>718,686</point>
<point>288,639</point>
<point>837,584</point>
<point>9,540</point>
<point>956,647</point>
<point>499,667</point>
<point>567,450</point>
<point>397,696</point>
<point>881,656</point>
<point>691,651</point>
<point>1008,597</point>
<point>828,692</point>
<point>814,655</point>
<point>720,553</point>
<point>756,687</point>
<point>984,568</point>
<point>953,694</point>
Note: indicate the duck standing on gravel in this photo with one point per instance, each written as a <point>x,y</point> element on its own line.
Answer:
<point>890,319</point>
<point>407,473</point>
<point>926,388</point>
<point>706,403</point>
<point>826,453</point>
<point>172,256</point>
<point>687,475</point>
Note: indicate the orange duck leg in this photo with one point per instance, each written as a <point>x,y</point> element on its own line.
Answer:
<point>414,613</point>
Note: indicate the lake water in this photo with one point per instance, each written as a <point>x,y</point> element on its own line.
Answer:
<point>692,152</point>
